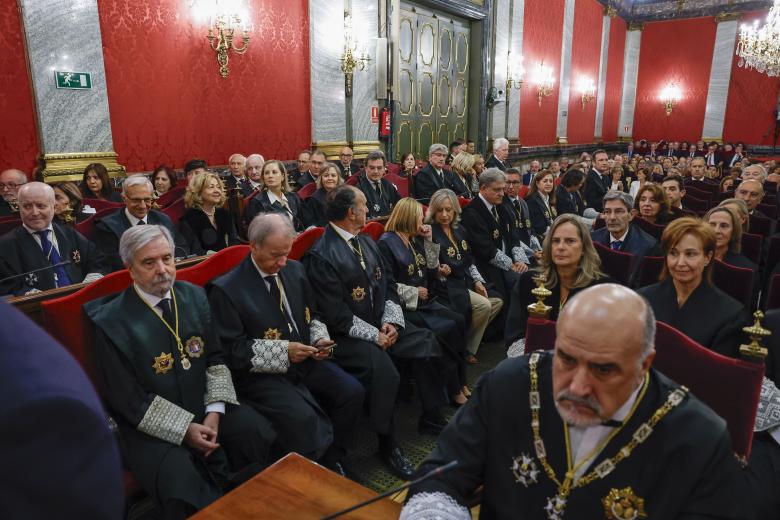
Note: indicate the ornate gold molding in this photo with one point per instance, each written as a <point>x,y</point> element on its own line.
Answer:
<point>727,17</point>
<point>60,167</point>
<point>362,148</point>
<point>718,140</point>
<point>331,149</point>
<point>610,11</point>
<point>625,139</point>
<point>561,140</point>
<point>636,26</point>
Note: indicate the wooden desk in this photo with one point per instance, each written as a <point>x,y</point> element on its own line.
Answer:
<point>296,489</point>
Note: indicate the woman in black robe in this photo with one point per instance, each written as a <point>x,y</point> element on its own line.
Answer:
<point>541,203</point>
<point>206,225</point>
<point>314,206</point>
<point>568,196</point>
<point>728,243</point>
<point>275,196</point>
<point>685,297</point>
<point>408,251</point>
<point>460,287</point>
<point>570,264</point>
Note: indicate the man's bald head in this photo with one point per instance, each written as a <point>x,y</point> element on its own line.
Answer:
<point>35,189</point>
<point>36,205</point>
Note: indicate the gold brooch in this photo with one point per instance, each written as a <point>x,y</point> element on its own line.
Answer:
<point>194,346</point>
<point>451,251</point>
<point>307,315</point>
<point>464,245</point>
<point>495,234</point>
<point>272,334</point>
<point>358,293</point>
<point>420,259</point>
<point>623,504</point>
<point>163,363</point>
<point>525,470</point>
<point>528,223</point>
<point>410,269</point>
<point>75,256</point>
<point>554,212</point>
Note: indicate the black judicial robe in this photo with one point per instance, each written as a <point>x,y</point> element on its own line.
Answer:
<point>542,216</point>
<point>568,202</point>
<point>130,340</point>
<point>19,253</point>
<point>314,209</point>
<point>457,255</point>
<point>6,210</point>
<point>427,182</point>
<point>522,226</point>
<point>684,469</point>
<point>709,316</point>
<point>493,162</point>
<point>254,333</point>
<point>244,186</point>
<point>202,235</point>
<point>521,297</point>
<point>261,203</point>
<point>378,206</point>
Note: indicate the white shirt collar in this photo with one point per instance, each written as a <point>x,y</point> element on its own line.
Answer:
<point>273,198</point>
<point>151,299</point>
<point>343,233</point>
<point>134,220</point>
<point>262,273</point>
<point>33,233</point>
<point>622,239</point>
<point>489,205</point>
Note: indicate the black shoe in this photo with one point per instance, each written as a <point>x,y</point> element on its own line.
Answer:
<point>397,463</point>
<point>430,424</point>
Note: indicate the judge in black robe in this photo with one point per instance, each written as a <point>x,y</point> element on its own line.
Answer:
<point>261,203</point>
<point>153,398</point>
<point>202,235</point>
<point>256,334</point>
<point>683,469</point>
<point>314,209</point>
<point>244,186</point>
<point>709,316</point>
<point>542,214</point>
<point>382,201</point>
<point>495,162</point>
<point>427,181</point>
<point>6,210</point>
<point>21,251</point>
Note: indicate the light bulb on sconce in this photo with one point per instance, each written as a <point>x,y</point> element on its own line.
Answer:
<point>587,89</point>
<point>515,73</point>
<point>351,59</point>
<point>223,20</point>
<point>544,81</point>
<point>670,95</point>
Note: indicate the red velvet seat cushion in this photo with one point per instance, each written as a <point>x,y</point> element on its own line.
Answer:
<point>175,210</point>
<point>305,192</point>
<point>171,196</point>
<point>737,282</point>
<point>374,230</point>
<point>216,265</point>
<point>617,264</point>
<point>304,241</point>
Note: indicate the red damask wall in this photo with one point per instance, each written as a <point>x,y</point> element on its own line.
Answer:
<point>18,134</point>
<point>168,102</point>
<point>586,48</point>
<point>542,33</point>
<point>751,102</point>
<point>614,90</point>
<point>680,52</point>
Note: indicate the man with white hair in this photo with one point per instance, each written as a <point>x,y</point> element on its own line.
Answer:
<point>10,181</point>
<point>500,155</point>
<point>755,172</point>
<point>237,166</point>
<point>254,172</point>
<point>167,385</point>
<point>137,195</point>
<point>600,435</point>
<point>59,255</point>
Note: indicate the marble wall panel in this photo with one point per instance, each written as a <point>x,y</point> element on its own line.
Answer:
<point>500,64</point>
<point>326,37</point>
<point>720,73</point>
<point>630,73</point>
<point>565,75</point>
<point>515,51</point>
<point>602,83</point>
<point>365,20</point>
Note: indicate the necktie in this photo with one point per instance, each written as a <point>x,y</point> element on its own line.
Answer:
<point>494,211</point>
<point>516,204</point>
<point>616,245</point>
<point>273,288</point>
<point>165,306</point>
<point>140,223</point>
<point>53,256</point>
<point>377,188</point>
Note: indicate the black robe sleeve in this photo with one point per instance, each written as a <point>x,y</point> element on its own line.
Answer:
<point>329,294</point>
<point>479,239</point>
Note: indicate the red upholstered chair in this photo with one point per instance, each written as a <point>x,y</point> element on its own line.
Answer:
<point>171,195</point>
<point>773,253</point>
<point>182,183</point>
<point>374,230</point>
<point>751,246</point>
<point>737,282</point>
<point>773,293</point>
<point>353,180</point>
<point>7,226</point>
<point>700,206</point>
<point>648,227</point>
<point>393,169</point>
<point>305,192</point>
<point>87,226</point>
<point>10,217</point>
<point>770,210</point>
<point>617,264</point>
<point>649,270</point>
<point>599,223</point>
<point>216,265</point>
<point>704,372</point>
<point>463,202</point>
<point>304,241</point>
<point>760,226</point>
<point>99,204</point>
<point>523,191</point>
<point>175,210</point>
<point>400,183</point>
<point>725,195</point>
<point>694,192</point>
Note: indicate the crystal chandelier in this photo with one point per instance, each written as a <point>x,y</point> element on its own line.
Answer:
<point>759,47</point>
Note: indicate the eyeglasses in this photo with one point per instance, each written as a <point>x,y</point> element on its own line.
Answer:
<point>148,201</point>
<point>346,155</point>
<point>10,185</point>
<point>512,182</point>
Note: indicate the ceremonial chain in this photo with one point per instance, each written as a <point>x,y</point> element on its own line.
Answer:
<point>358,251</point>
<point>185,363</point>
<point>557,504</point>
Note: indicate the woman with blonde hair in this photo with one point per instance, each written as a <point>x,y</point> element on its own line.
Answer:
<point>413,258</point>
<point>741,209</point>
<point>462,181</point>
<point>462,286</point>
<point>275,196</point>
<point>569,263</point>
<point>206,225</point>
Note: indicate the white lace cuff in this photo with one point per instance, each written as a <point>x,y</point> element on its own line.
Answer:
<point>516,349</point>
<point>408,295</point>
<point>317,331</point>
<point>768,413</point>
<point>363,330</point>
<point>219,385</point>
<point>535,245</point>
<point>431,254</point>
<point>165,420</point>
<point>474,274</point>
<point>501,261</point>
<point>393,314</point>
<point>518,253</point>
<point>271,356</point>
<point>439,506</point>
<point>91,277</point>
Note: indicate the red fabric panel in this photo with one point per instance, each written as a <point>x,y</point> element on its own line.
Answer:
<point>18,136</point>
<point>168,102</point>
<point>617,45</point>
<point>586,49</point>
<point>679,51</point>
<point>542,34</point>
<point>752,99</point>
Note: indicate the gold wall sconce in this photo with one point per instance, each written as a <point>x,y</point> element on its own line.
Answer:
<point>221,36</point>
<point>587,89</point>
<point>515,73</point>
<point>670,96</point>
<point>544,80</point>
<point>351,59</point>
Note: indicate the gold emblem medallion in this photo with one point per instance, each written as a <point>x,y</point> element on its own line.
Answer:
<point>554,212</point>
<point>528,223</point>
<point>451,251</point>
<point>525,470</point>
<point>547,215</point>
<point>623,504</point>
<point>358,293</point>
<point>410,269</point>
<point>464,245</point>
<point>495,234</point>
<point>420,259</point>
<point>272,334</point>
<point>307,315</point>
<point>75,256</point>
<point>163,363</point>
<point>194,346</point>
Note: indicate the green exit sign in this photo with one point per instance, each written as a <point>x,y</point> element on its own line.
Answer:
<point>73,80</point>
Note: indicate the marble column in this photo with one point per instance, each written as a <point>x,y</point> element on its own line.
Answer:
<point>564,83</point>
<point>500,65</point>
<point>74,125</point>
<point>515,52</point>
<point>720,73</point>
<point>365,21</point>
<point>602,84</point>
<point>630,73</point>
<point>328,103</point>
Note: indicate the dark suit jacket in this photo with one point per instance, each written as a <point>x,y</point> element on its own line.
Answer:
<point>595,188</point>
<point>541,216</point>
<point>5,209</point>
<point>427,182</point>
<point>379,206</point>
<point>566,202</point>
<point>40,414</point>
<point>203,236</point>
<point>260,203</point>
<point>637,242</point>
<point>244,185</point>
<point>527,178</point>
<point>353,169</point>
<point>304,179</point>
<point>493,162</point>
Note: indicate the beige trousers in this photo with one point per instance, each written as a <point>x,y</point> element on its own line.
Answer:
<point>483,311</point>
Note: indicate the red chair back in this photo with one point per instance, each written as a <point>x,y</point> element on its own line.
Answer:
<point>171,195</point>
<point>393,169</point>
<point>401,184</point>
<point>99,204</point>
<point>617,264</point>
<point>700,369</point>
<point>463,202</point>
<point>304,241</point>
<point>649,270</point>
<point>523,191</point>
<point>9,217</point>
<point>773,293</point>
<point>174,211</point>
<point>770,210</point>
<point>306,192</point>
<point>694,192</point>
<point>182,183</point>
<point>215,265</point>
<point>648,227</point>
<point>751,246</point>
<point>7,226</point>
<point>374,230</point>
<point>87,226</point>
<point>353,180</point>
<point>773,254</point>
<point>737,282</point>
<point>700,206</point>
<point>760,226</point>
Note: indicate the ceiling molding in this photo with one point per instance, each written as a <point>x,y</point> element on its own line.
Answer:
<point>657,10</point>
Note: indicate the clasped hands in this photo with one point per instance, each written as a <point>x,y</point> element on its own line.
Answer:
<point>203,437</point>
